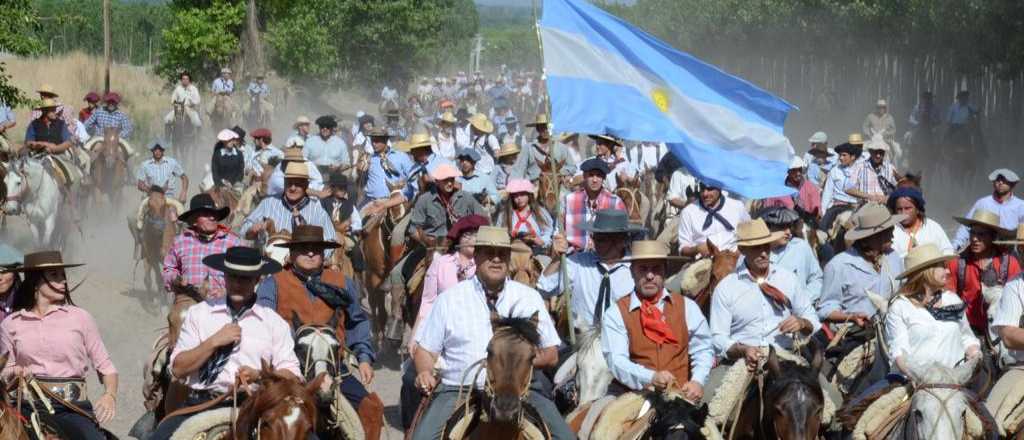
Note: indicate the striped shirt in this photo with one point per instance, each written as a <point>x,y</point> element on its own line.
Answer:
<point>579,209</point>
<point>864,178</point>
<point>274,208</point>
<point>101,118</point>
<point>185,259</point>
<point>166,174</point>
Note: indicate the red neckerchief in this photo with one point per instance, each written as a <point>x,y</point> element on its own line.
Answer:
<point>523,220</point>
<point>446,203</point>
<point>652,322</point>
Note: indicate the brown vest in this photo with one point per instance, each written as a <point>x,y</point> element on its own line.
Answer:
<point>672,358</point>
<point>294,299</point>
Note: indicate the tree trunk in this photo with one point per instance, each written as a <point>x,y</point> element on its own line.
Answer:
<point>106,46</point>
<point>253,63</point>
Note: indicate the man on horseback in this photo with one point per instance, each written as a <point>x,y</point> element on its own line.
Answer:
<point>48,136</point>
<point>480,186</point>
<point>327,151</point>
<point>263,151</point>
<point>225,340</point>
<point>1002,201</point>
<point>652,337</point>
<point>64,112</point>
<point>581,206</point>
<point>92,100</point>
<point>293,208</point>
<point>165,173</point>
<point>307,294</point>
<point>714,217</point>
<point>301,133</point>
<point>982,266</point>
<point>806,201</point>
<point>109,117</point>
<point>483,141</point>
<point>874,179</point>
<point>222,88</point>
<point>259,91</point>
<point>598,276</point>
<point>459,328</point>
<point>543,153</point>
<point>819,158</point>
<point>880,122</point>
<point>388,169</point>
<point>608,148</point>
<point>791,253</point>
<point>187,95</point>
<point>506,168</point>
<point>834,198</point>
<point>425,161</point>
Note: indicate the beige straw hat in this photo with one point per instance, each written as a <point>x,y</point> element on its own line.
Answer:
<point>649,250</point>
<point>869,220</point>
<point>296,170</point>
<point>987,219</point>
<point>493,236</point>
<point>755,233</point>
<point>507,149</point>
<point>921,258</point>
<point>480,122</point>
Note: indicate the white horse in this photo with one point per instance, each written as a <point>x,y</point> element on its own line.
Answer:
<point>938,407</point>
<point>33,191</point>
<point>588,366</point>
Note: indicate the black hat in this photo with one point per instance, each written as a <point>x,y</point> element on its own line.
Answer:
<point>779,216</point>
<point>240,131</point>
<point>611,221</point>
<point>203,202</point>
<point>845,147</point>
<point>327,121</point>
<point>242,260</point>
<point>338,180</point>
<point>595,164</point>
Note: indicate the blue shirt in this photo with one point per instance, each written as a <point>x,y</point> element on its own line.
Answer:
<point>221,85</point>
<point>798,257</point>
<point>615,344</point>
<point>102,118</point>
<point>433,162</point>
<point>377,178</point>
<point>848,277</point>
<point>274,208</point>
<point>959,114</point>
<point>259,89</point>
<point>1011,214</point>
<point>816,172</point>
<point>835,187</point>
<point>330,152</point>
<point>477,183</point>
<point>357,324</point>
<point>166,174</point>
<point>585,279</point>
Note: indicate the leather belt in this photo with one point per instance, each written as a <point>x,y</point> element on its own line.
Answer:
<point>71,389</point>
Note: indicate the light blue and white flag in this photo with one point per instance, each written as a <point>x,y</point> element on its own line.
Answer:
<point>607,76</point>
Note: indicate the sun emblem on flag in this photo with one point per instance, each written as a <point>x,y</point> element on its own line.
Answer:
<point>660,97</point>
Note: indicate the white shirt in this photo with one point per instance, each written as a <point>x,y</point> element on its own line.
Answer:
<point>915,335</point>
<point>1009,310</point>
<point>677,186</point>
<point>257,159</point>
<point>275,186</point>
<point>930,232</point>
<point>444,146</point>
<point>646,155</point>
<point>459,326</point>
<point>486,163</point>
<point>189,96</point>
<point>691,225</point>
<point>581,269</point>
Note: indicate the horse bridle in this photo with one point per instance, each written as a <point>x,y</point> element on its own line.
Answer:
<point>24,191</point>
<point>928,388</point>
<point>332,358</point>
<point>292,402</point>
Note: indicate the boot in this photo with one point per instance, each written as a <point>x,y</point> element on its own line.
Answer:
<point>371,415</point>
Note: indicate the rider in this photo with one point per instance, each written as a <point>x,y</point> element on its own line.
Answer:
<point>598,277</point>
<point>459,328</point>
<point>791,252</point>
<point>807,199</point>
<point>165,173</point>
<point>874,179</point>
<point>609,149</point>
<point>483,141</point>
<point>301,127</point>
<point>224,341</point>
<point>64,112</point>
<point>275,184</point>
<point>581,206</point>
<point>819,158</point>
<point>387,169</point>
<point>1007,321</point>
<point>360,135</point>
<point>982,264</point>
<point>92,100</point>
<point>223,87</point>
<point>915,229</point>
<point>524,217</point>
<point>7,121</point>
<point>880,122</point>
<point>393,123</point>
<point>834,199</point>
<point>263,151</point>
<point>49,136</point>
<point>425,161</point>
<point>228,162</point>
<point>474,183</point>
<point>924,117</point>
<point>509,131</point>
<point>542,149</point>
<point>258,89</point>
<point>327,151</point>
<point>713,218</point>
<point>187,94</point>
<point>1007,206</point>
<point>653,337</point>
<point>292,208</point>
<point>958,117</point>
<point>307,294</point>
<point>50,338</point>
<point>109,116</point>
<point>506,168</point>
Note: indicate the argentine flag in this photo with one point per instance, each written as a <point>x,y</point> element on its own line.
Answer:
<point>606,76</point>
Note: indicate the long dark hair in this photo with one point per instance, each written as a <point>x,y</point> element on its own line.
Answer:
<point>25,294</point>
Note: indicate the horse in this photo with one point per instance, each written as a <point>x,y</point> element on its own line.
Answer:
<point>320,355</point>
<point>281,408</point>
<point>156,237</point>
<point>222,113</point>
<point>549,183</point>
<point>939,404</point>
<point>523,267</point>
<point>35,192</point>
<point>11,427</point>
<point>585,372</point>
<point>108,166</point>
<point>638,207</point>
<point>723,262</point>
<point>649,414</point>
<point>785,401</point>
<point>181,133</point>
<point>381,254</point>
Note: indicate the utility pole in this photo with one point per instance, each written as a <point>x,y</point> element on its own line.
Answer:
<point>106,45</point>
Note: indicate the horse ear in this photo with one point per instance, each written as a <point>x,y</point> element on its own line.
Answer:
<point>773,362</point>
<point>296,323</point>
<point>817,360</point>
<point>535,319</point>
<point>333,322</point>
<point>314,386</point>
<point>712,248</point>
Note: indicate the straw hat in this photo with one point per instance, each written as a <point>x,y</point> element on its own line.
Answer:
<point>565,137</point>
<point>44,260</point>
<point>295,142</point>
<point>296,170</point>
<point>47,89</point>
<point>480,122</point>
<point>542,119</point>
<point>921,258</point>
<point>869,220</point>
<point>493,236</point>
<point>607,137</point>
<point>986,219</point>
<point>301,120</point>
<point>419,140</point>
<point>648,250</point>
<point>1018,239</point>
<point>448,117</point>
<point>47,103</point>
<point>403,146</point>
<point>855,139</point>
<point>304,235</point>
<point>508,149</point>
<point>755,233</point>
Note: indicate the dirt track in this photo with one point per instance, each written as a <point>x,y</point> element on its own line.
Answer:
<point>130,320</point>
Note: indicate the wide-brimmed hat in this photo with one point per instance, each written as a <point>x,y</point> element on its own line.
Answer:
<point>819,137</point>
<point>466,223</point>
<point>755,233</point>
<point>444,171</point>
<point>648,250</point>
<point>294,154</point>
<point>779,216</point>
<point>921,258</point>
<point>508,149</point>
<point>1010,176</point>
<point>567,136</point>
<point>855,139</point>
<point>492,236</point>
<point>243,261</point>
<point>607,137</point>
<point>541,119</point>
<point>983,218</point>
<point>1017,239</point>
<point>44,260</point>
<point>296,170</point>
<point>448,117</point>
<point>47,103</point>
<point>871,219</point>
<point>378,132</point>
<point>47,90</point>
<point>227,134</point>
<point>480,122</point>
<point>516,186</point>
<point>611,221</point>
<point>301,120</point>
<point>419,140</point>
<point>203,202</point>
<point>308,235</point>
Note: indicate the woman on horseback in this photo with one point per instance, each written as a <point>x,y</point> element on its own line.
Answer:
<point>228,162</point>
<point>525,219</point>
<point>52,341</point>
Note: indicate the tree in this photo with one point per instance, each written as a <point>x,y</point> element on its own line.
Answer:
<point>18,21</point>
<point>201,40</point>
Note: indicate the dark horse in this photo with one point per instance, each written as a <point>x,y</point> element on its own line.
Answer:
<point>785,401</point>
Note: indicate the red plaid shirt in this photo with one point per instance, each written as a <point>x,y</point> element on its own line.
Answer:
<point>185,259</point>
<point>579,209</point>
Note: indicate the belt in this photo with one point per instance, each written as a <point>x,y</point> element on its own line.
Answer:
<point>202,395</point>
<point>71,389</point>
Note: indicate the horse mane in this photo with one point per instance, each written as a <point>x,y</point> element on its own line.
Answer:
<point>274,388</point>
<point>671,409</point>
<point>587,338</point>
<point>521,327</point>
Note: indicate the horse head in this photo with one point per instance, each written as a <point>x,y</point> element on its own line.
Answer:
<point>522,266</point>
<point>592,374</point>
<point>793,400</point>
<point>282,408</point>
<point>723,262</point>
<point>15,187</point>
<point>939,405</point>
<point>317,346</point>
<point>675,418</point>
<point>276,253</point>
<point>509,363</point>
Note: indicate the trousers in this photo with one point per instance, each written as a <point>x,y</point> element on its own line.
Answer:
<point>73,424</point>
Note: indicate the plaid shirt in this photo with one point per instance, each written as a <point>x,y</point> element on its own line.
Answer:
<point>101,118</point>
<point>579,210</point>
<point>863,178</point>
<point>185,259</point>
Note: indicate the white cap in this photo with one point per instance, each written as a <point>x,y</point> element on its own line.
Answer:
<point>1010,176</point>
<point>797,162</point>
<point>881,103</point>
<point>818,138</point>
<point>226,135</point>
<point>360,114</point>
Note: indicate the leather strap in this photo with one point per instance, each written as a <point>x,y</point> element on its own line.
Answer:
<point>198,408</point>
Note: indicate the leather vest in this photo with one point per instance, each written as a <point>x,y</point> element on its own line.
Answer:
<point>53,133</point>
<point>672,358</point>
<point>294,300</point>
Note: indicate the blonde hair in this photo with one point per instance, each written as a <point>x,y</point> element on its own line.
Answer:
<point>922,279</point>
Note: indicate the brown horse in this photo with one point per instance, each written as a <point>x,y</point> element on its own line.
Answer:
<point>523,267</point>
<point>381,255</point>
<point>227,196</point>
<point>637,205</point>
<point>549,184</point>
<point>786,402</point>
<point>11,427</point>
<point>723,262</point>
<point>282,408</point>
<point>156,237</point>
<point>108,167</point>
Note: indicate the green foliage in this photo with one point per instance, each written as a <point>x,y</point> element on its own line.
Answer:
<point>77,25</point>
<point>18,21</point>
<point>201,40</point>
<point>514,45</point>
<point>303,50</point>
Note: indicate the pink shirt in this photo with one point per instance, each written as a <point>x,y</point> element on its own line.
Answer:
<point>264,336</point>
<point>61,343</point>
<point>442,274</point>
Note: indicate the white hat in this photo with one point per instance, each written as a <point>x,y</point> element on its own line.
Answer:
<point>295,142</point>
<point>360,114</point>
<point>797,163</point>
<point>818,138</point>
<point>225,70</point>
<point>1010,176</point>
<point>877,143</point>
<point>226,135</point>
<point>881,103</point>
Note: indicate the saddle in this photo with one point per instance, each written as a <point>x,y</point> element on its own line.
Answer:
<point>469,413</point>
<point>58,170</point>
